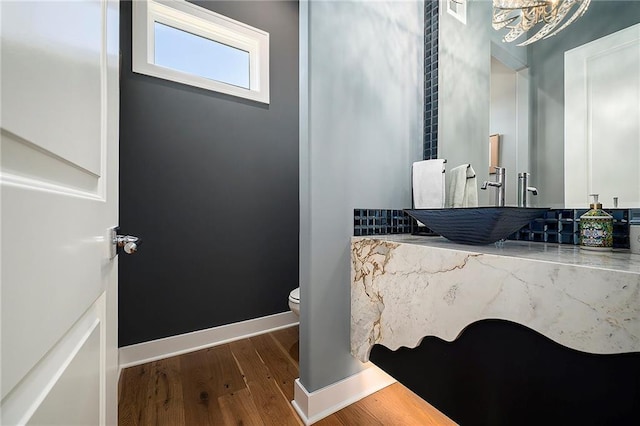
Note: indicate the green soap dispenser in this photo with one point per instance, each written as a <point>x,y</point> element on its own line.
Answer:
<point>596,228</point>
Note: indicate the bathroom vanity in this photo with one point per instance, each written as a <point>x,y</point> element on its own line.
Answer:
<point>405,288</point>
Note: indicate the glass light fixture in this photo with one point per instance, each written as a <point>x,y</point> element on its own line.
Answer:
<point>550,16</point>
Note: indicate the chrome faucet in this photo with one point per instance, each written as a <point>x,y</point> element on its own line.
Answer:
<point>498,184</point>
<point>524,189</point>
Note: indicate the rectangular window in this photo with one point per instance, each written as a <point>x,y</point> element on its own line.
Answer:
<point>197,55</point>
<point>188,44</point>
<point>458,9</point>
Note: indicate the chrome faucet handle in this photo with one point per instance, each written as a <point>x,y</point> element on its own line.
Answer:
<point>499,184</point>
<point>487,183</point>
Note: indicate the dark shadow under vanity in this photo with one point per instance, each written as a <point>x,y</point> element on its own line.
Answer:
<point>502,373</point>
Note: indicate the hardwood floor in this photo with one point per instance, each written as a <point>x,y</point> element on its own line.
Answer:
<point>248,382</point>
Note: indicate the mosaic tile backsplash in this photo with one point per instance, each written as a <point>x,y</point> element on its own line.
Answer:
<point>561,226</point>
<point>556,226</point>
<point>382,222</point>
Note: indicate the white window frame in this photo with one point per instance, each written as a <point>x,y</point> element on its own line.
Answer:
<point>205,23</point>
<point>457,9</point>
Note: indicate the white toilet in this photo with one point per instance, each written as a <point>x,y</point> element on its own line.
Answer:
<point>294,301</point>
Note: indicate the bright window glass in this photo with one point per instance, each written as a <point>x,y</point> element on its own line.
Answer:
<point>182,42</point>
<point>190,53</point>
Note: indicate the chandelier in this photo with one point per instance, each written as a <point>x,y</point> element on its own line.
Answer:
<point>550,16</point>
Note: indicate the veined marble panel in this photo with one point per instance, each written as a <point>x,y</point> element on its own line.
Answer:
<point>406,288</point>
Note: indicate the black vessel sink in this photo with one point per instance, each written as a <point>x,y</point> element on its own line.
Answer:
<point>476,225</point>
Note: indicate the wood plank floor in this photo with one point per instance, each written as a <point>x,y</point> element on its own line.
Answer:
<point>249,382</point>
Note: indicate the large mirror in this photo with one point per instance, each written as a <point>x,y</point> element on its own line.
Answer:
<point>490,87</point>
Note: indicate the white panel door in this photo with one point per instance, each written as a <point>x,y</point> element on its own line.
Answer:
<point>59,181</point>
<point>602,120</point>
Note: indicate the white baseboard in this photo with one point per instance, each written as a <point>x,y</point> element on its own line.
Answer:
<point>175,345</point>
<point>315,406</point>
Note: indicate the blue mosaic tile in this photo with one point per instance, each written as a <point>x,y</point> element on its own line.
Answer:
<point>431,11</point>
<point>382,222</point>
<point>561,226</point>
<point>557,226</point>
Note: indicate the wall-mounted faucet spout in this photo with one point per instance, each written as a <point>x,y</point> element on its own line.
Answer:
<point>498,184</point>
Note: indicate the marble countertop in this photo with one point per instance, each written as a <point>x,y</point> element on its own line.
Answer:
<point>406,287</point>
<point>567,254</point>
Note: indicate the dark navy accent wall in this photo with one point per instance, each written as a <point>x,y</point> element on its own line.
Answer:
<point>210,182</point>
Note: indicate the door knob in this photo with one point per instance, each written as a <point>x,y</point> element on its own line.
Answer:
<point>127,243</point>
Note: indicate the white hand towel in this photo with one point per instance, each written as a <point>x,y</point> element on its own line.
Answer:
<point>428,184</point>
<point>463,188</point>
<point>471,189</point>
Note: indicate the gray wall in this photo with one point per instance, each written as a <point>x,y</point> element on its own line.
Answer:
<point>503,121</point>
<point>210,182</point>
<point>509,117</point>
<point>463,97</point>
<point>361,129</point>
<point>546,58</point>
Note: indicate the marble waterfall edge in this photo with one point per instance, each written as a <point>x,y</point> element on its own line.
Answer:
<point>403,292</point>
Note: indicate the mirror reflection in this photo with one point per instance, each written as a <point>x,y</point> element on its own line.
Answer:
<point>489,87</point>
